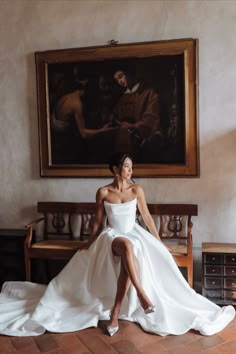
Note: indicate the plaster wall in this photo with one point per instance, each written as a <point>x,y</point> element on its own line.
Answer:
<point>29,26</point>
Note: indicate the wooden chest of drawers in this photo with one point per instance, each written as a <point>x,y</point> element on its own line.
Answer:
<point>219,272</point>
<point>12,266</point>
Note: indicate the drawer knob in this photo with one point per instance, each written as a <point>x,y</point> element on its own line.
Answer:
<point>213,270</point>
<point>213,282</point>
<point>233,259</point>
<point>213,258</point>
<point>232,270</point>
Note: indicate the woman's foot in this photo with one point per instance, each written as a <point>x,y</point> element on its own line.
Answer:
<point>146,304</point>
<point>149,309</point>
<point>113,326</point>
<point>112,330</point>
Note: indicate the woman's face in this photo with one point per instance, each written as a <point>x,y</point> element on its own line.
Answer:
<point>120,78</point>
<point>127,168</point>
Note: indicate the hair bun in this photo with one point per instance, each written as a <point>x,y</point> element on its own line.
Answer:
<point>117,159</point>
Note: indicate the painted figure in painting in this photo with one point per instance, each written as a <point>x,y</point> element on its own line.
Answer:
<point>137,114</point>
<point>75,122</point>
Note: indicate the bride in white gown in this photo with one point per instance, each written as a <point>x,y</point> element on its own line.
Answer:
<point>123,272</point>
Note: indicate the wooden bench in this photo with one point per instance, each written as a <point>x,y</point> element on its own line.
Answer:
<point>66,224</point>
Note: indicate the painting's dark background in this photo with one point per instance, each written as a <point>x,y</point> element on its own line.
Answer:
<point>165,74</point>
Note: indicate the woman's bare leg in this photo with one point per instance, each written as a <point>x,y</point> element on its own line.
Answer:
<point>123,248</point>
<point>123,285</point>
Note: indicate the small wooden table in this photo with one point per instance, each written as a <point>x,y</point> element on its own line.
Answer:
<point>219,272</point>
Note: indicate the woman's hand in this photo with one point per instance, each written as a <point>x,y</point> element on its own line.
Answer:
<point>169,249</point>
<point>173,252</point>
<point>125,124</point>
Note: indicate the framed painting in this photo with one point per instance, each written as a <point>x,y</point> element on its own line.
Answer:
<point>138,98</point>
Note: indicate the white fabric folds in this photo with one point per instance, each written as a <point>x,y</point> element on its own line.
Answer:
<point>83,293</point>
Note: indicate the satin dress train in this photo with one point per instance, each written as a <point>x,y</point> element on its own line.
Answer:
<point>84,291</point>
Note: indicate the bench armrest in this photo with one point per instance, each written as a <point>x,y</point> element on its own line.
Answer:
<point>33,223</point>
<point>30,228</point>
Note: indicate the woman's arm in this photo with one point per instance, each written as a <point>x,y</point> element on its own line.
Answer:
<point>98,221</point>
<point>147,218</point>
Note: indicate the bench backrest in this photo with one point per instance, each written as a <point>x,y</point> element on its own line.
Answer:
<point>69,220</point>
<point>173,220</point>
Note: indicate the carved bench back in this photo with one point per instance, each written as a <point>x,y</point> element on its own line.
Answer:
<point>68,220</point>
<point>71,220</point>
<point>173,220</point>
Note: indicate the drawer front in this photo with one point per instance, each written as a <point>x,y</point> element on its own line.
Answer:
<point>230,283</point>
<point>213,258</point>
<point>230,294</point>
<point>12,261</point>
<point>230,259</point>
<point>214,294</point>
<point>11,244</point>
<point>230,270</point>
<point>213,283</point>
<point>214,270</point>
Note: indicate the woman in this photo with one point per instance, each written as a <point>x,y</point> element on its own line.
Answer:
<point>122,262</point>
<point>121,191</point>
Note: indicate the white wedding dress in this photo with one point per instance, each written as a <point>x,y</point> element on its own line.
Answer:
<point>83,293</point>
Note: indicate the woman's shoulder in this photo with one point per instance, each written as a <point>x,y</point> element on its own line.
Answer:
<point>137,189</point>
<point>102,191</point>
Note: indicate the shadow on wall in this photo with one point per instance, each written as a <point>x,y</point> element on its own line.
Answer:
<point>218,192</point>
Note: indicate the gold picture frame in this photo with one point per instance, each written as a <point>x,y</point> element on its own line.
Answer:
<point>83,110</point>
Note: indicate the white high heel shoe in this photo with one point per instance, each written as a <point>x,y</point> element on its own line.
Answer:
<point>112,330</point>
<point>149,309</point>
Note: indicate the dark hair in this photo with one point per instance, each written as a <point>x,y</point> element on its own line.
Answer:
<point>117,160</point>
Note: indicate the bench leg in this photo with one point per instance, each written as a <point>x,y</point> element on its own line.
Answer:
<point>28,268</point>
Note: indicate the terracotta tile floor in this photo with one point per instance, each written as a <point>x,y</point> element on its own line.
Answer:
<point>130,339</point>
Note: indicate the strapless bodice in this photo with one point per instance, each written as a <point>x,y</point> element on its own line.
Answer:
<point>121,217</point>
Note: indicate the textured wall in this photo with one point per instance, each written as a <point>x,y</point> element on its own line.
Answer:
<point>29,26</point>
